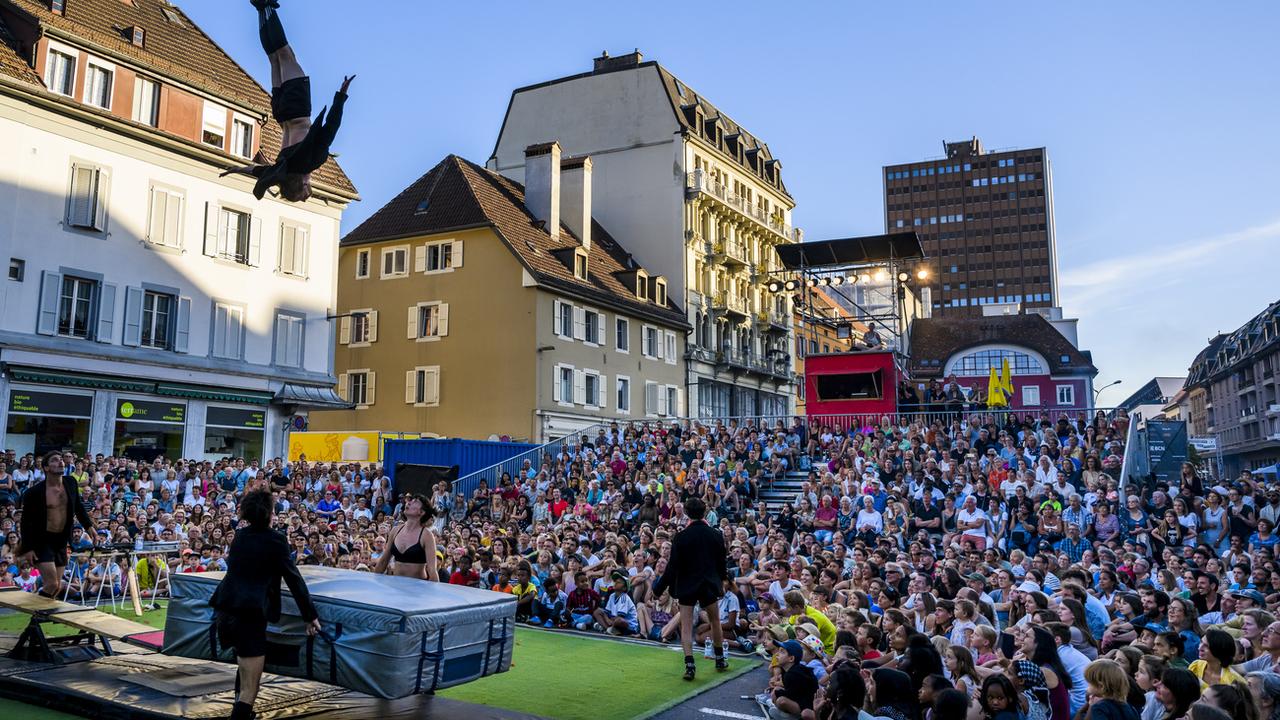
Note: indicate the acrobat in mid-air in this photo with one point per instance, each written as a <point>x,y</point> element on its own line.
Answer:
<point>305,146</point>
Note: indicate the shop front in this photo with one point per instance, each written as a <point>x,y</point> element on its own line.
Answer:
<point>44,420</point>
<point>145,429</point>
<point>234,432</point>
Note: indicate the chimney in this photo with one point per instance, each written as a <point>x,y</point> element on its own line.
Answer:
<point>542,184</point>
<point>604,63</point>
<point>575,197</point>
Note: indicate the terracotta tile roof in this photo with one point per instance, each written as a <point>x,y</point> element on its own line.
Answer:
<point>174,48</point>
<point>11,62</point>
<point>934,340</point>
<point>457,194</point>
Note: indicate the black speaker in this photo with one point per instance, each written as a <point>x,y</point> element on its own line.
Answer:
<point>422,479</point>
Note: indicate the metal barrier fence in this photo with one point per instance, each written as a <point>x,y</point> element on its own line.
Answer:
<point>851,423</point>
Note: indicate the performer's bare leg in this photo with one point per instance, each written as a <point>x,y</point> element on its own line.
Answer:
<point>51,577</point>
<point>250,669</point>
<point>686,630</point>
<point>284,65</point>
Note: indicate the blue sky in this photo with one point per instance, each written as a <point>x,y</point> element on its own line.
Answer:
<point>1162,120</point>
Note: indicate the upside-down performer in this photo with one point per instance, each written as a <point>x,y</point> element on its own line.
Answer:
<point>305,146</point>
<point>249,596</point>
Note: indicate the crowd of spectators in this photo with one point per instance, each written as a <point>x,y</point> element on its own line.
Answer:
<point>978,563</point>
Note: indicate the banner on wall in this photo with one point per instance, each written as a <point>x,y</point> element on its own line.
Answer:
<point>330,447</point>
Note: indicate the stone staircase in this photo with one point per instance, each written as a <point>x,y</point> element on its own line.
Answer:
<point>783,491</point>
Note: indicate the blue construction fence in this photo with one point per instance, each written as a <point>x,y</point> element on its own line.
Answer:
<point>468,455</point>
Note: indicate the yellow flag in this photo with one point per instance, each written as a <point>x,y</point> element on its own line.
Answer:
<point>995,392</point>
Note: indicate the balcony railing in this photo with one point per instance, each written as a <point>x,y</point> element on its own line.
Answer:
<point>778,366</point>
<point>699,181</point>
<point>732,253</point>
<point>772,319</point>
<point>731,303</point>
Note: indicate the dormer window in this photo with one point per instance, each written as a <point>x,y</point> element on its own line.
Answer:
<point>137,35</point>
<point>642,285</point>
<point>57,6</point>
<point>660,293</point>
<point>580,265</point>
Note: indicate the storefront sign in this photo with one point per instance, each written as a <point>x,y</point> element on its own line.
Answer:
<point>236,418</point>
<point>34,402</point>
<point>144,411</point>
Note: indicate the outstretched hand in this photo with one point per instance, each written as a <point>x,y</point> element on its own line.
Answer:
<point>346,83</point>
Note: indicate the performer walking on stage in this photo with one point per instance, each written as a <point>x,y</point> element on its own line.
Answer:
<point>48,508</point>
<point>305,146</point>
<point>696,574</point>
<point>412,543</point>
<point>249,595</point>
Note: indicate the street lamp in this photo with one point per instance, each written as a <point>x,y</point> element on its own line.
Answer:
<point>1098,392</point>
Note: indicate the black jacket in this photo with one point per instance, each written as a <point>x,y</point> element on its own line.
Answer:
<point>306,156</point>
<point>698,562</point>
<point>258,560</point>
<point>35,510</point>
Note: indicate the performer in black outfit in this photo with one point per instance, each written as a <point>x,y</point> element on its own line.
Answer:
<point>305,146</point>
<point>696,573</point>
<point>249,595</point>
<point>49,509</point>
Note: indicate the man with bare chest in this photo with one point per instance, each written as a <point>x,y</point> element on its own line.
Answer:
<point>49,510</point>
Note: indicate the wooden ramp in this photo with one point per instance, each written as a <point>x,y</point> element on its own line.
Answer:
<point>93,625</point>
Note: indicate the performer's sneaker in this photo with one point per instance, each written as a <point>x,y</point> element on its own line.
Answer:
<point>722,664</point>
<point>690,671</point>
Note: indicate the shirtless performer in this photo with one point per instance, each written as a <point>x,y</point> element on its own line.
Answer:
<point>305,145</point>
<point>48,510</point>
<point>412,543</point>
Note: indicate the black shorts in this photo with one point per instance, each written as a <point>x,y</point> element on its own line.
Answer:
<point>707,597</point>
<point>292,100</point>
<point>50,548</point>
<point>246,635</point>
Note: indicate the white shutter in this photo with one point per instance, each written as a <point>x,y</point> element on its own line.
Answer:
<point>650,398</point>
<point>344,387</point>
<point>182,333</point>
<point>555,318</point>
<point>662,400</point>
<point>413,322</point>
<point>344,330</point>
<point>442,319</point>
<point>555,372</point>
<point>369,387</point>
<point>255,241</point>
<point>457,254</point>
<point>420,258</point>
<point>80,211</point>
<point>657,344</point>
<point>411,386</point>
<point>282,340</point>
<point>213,230</point>
<point>602,333</point>
<point>431,394</point>
<point>172,220</point>
<point>302,248</point>
<point>579,323</point>
<point>133,316</point>
<point>102,191</point>
<point>287,237</point>
<point>371,319</point>
<point>602,391</point>
<point>679,410</point>
<point>156,223</point>
<point>106,313</point>
<point>50,295</point>
<point>579,387</point>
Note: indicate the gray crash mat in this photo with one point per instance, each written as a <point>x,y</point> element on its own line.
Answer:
<point>133,687</point>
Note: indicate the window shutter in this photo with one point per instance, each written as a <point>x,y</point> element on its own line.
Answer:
<point>602,333</point>
<point>221,331</point>
<point>173,220</point>
<point>650,398</point>
<point>235,333</point>
<point>50,292</point>
<point>602,393</point>
<point>555,318</point>
<point>369,385</point>
<point>182,332</point>
<point>214,229</point>
<point>442,319</point>
<point>255,241</point>
<point>101,193</point>
<point>344,330</point>
<point>679,410</point>
<point>282,340</point>
<point>420,258</point>
<point>579,323</point>
<point>431,395</point>
<point>133,316</point>
<point>287,237</point>
<point>411,386</point>
<point>302,250</point>
<point>80,208</point>
<point>106,313</point>
<point>344,387</point>
<point>156,224</point>
<point>555,372</point>
<point>579,387</point>
<point>657,344</point>
<point>457,253</point>
<point>662,399</point>
<point>372,320</point>
<point>413,322</point>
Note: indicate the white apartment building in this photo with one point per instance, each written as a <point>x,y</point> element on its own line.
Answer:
<point>151,308</point>
<point>694,197</point>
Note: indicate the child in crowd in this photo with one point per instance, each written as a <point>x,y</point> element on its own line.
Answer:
<point>1108,687</point>
<point>525,591</point>
<point>618,616</point>
<point>582,602</point>
<point>550,606</point>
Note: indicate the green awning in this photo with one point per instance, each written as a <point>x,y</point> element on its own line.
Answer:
<point>203,392</point>
<point>54,377</point>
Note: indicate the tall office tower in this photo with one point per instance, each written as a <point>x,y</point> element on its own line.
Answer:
<point>986,222</point>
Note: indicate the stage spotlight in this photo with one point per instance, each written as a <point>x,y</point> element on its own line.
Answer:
<point>844,331</point>
<point>881,275</point>
<point>902,277</point>
<point>837,280</point>
<point>825,281</point>
<point>775,286</point>
<point>865,278</point>
<point>791,285</point>
<point>811,282</point>
<point>922,274</point>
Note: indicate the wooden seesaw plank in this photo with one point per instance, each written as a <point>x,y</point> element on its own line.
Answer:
<point>33,604</point>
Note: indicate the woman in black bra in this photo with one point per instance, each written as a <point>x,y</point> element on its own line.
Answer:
<point>412,544</point>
